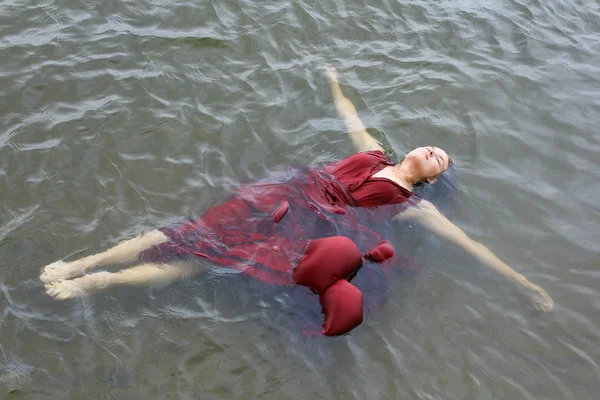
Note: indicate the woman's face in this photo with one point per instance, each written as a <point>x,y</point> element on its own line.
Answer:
<point>426,163</point>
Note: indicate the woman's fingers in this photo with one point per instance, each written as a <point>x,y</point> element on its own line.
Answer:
<point>332,75</point>
<point>540,299</point>
<point>336,91</point>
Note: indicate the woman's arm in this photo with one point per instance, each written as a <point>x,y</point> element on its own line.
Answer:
<point>427,215</point>
<point>358,134</point>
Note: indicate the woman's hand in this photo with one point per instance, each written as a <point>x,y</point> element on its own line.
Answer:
<point>332,75</point>
<point>356,129</point>
<point>540,299</point>
<point>336,91</point>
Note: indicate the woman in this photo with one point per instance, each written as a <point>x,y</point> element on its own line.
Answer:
<point>263,229</point>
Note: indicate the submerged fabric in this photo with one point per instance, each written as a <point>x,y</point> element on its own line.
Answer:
<point>263,229</point>
<point>342,304</point>
<point>324,267</point>
<point>326,261</point>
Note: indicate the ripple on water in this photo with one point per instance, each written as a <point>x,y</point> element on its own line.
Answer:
<point>121,117</point>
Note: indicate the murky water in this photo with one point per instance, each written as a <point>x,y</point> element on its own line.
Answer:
<point>120,117</point>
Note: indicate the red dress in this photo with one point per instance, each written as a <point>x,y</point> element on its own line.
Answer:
<point>264,227</point>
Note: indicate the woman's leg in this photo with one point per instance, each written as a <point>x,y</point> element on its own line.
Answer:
<point>151,275</point>
<point>126,251</point>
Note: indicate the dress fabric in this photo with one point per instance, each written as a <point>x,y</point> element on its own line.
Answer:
<point>263,228</point>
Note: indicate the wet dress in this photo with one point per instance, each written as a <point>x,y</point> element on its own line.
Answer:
<point>263,227</point>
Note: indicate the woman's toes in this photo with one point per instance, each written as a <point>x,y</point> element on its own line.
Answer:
<point>61,270</point>
<point>52,272</point>
<point>62,290</point>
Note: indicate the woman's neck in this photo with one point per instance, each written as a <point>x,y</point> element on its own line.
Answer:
<point>403,176</point>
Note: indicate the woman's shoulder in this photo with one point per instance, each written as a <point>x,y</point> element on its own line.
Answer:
<point>371,155</point>
<point>359,164</point>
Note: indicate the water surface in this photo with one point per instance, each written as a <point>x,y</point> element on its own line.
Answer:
<point>120,117</point>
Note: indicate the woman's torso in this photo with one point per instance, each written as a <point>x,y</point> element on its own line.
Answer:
<point>362,176</point>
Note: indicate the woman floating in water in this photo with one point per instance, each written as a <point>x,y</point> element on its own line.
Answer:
<point>265,228</point>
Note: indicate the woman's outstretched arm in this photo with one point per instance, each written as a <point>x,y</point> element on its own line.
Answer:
<point>358,134</point>
<point>429,216</point>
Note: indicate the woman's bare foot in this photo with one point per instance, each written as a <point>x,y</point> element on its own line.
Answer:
<point>83,286</point>
<point>60,270</point>
<point>127,251</point>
